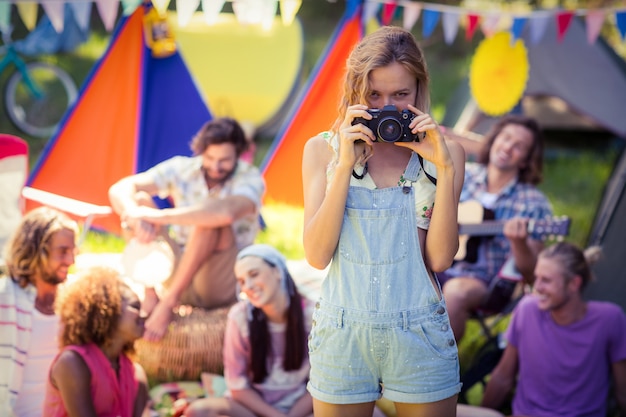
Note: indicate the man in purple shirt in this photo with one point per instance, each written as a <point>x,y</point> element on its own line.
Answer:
<point>564,352</point>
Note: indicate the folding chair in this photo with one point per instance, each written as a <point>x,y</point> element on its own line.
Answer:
<point>503,296</point>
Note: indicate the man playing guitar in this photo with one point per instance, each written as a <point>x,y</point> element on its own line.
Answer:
<point>503,180</point>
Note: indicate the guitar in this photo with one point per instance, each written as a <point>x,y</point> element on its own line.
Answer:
<point>471,219</point>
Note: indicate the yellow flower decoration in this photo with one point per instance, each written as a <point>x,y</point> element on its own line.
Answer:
<point>498,74</point>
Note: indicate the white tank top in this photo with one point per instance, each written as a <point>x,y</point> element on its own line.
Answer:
<point>43,348</point>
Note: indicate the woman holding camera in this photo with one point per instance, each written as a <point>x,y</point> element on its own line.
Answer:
<point>374,208</point>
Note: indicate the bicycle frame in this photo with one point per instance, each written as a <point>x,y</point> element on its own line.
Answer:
<point>12,57</point>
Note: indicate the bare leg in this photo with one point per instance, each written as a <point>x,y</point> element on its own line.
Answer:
<point>443,408</point>
<point>322,409</point>
<point>201,243</point>
<point>462,295</point>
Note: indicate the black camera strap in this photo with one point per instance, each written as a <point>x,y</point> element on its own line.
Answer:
<point>430,177</point>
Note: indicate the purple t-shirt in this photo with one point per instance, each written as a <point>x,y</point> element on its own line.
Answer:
<point>565,370</point>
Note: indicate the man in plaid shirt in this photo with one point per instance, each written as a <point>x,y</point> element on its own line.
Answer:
<point>503,181</point>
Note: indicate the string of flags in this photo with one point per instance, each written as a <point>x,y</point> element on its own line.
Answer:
<point>263,12</point>
<point>490,22</point>
<point>247,11</point>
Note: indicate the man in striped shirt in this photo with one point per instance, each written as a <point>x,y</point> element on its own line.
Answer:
<point>38,258</point>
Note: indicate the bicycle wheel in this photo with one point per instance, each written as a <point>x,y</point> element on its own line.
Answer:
<point>38,112</point>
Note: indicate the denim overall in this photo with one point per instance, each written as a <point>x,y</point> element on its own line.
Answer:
<point>380,326</point>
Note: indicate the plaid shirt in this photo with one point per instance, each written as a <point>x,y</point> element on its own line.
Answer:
<point>514,200</point>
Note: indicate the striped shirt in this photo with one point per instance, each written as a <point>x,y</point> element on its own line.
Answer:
<point>16,313</point>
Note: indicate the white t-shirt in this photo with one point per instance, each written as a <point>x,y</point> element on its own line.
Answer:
<point>43,348</point>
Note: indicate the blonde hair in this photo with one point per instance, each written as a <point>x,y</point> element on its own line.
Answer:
<point>379,49</point>
<point>27,252</point>
<point>573,260</point>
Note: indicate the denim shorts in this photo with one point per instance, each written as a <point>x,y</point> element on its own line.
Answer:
<point>357,356</point>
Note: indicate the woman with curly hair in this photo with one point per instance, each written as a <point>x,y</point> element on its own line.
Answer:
<point>93,374</point>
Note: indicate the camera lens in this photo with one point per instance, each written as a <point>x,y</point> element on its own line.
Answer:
<point>389,129</point>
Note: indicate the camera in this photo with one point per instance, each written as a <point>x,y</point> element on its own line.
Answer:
<point>390,125</point>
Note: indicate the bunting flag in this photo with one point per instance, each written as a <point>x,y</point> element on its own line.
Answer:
<point>411,14</point>
<point>563,19</point>
<point>429,21</point>
<point>450,27</point>
<point>472,23</point>
<point>594,21</point>
<point>260,11</point>
<point>489,21</point>
<point>389,10</point>
<point>517,27</point>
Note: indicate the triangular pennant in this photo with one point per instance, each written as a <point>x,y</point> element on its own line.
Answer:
<point>82,14</point>
<point>517,27</point>
<point>370,8</point>
<point>268,13</point>
<point>161,5</point>
<point>594,20</point>
<point>472,23</point>
<point>185,10</point>
<point>27,10</point>
<point>538,26</point>
<point>389,10</point>
<point>489,23</point>
<point>450,23</point>
<point>108,12</point>
<point>129,6</point>
<point>55,10</point>
<point>288,10</point>
<point>211,10</point>
<point>620,21</point>
<point>429,22</point>
<point>411,14</point>
<point>563,19</point>
<point>5,16</point>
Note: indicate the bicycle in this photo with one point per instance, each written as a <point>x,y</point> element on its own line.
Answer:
<point>37,94</point>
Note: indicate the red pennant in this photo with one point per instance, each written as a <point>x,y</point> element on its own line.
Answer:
<point>472,24</point>
<point>563,19</point>
<point>388,11</point>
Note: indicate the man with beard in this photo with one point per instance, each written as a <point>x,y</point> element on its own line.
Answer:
<point>216,199</point>
<point>504,181</point>
<point>38,258</point>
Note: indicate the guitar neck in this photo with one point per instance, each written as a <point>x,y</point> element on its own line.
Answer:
<point>486,228</point>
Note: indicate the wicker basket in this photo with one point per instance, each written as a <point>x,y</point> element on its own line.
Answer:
<point>192,345</point>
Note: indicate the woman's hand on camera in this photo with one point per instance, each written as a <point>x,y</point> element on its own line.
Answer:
<point>432,145</point>
<point>355,140</point>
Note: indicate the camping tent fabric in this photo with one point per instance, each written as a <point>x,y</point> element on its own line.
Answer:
<point>591,79</point>
<point>608,232</point>
<point>315,111</point>
<point>133,111</point>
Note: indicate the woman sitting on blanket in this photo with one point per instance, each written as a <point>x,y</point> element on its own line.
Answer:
<point>266,365</point>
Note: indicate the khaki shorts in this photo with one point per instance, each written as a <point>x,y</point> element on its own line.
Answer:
<point>214,284</point>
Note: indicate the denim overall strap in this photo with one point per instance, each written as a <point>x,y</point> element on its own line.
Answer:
<point>378,266</point>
